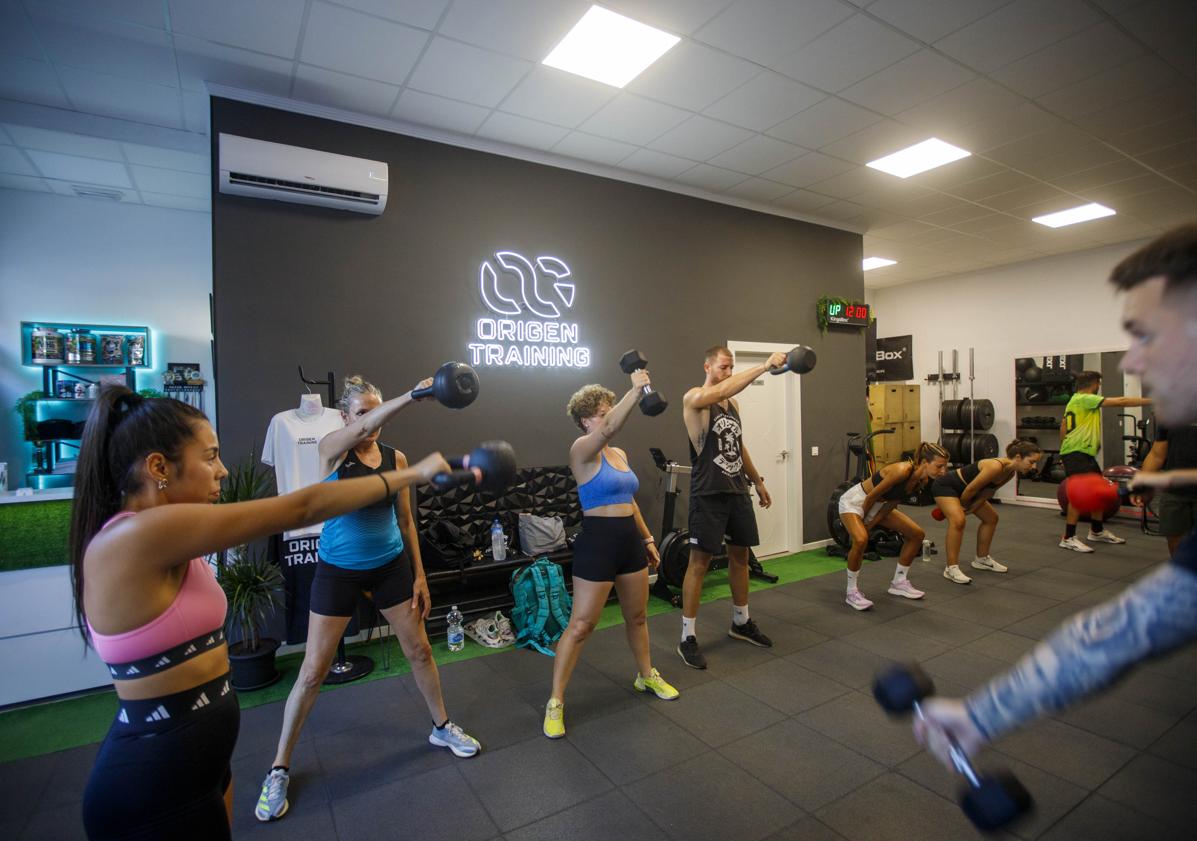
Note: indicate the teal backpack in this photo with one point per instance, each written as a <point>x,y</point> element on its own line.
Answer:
<point>542,605</point>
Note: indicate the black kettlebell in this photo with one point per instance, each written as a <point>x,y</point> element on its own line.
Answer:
<point>455,385</point>
<point>494,460</point>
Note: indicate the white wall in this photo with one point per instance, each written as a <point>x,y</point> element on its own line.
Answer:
<point>1055,305</point>
<point>96,262</point>
<point>92,261</point>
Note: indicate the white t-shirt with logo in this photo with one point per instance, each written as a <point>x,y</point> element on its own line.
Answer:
<point>292,447</point>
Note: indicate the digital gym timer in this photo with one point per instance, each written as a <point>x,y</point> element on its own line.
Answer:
<point>849,315</point>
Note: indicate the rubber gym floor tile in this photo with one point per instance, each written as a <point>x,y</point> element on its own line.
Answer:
<point>842,662</point>
<point>1000,645</point>
<point>807,829</point>
<point>937,626</point>
<point>1054,583</point>
<point>835,619</point>
<point>1148,784</point>
<point>260,727</point>
<point>1107,591</point>
<point>1180,743</point>
<point>529,781</point>
<point>857,721</point>
<point>306,793</point>
<point>895,644</point>
<point>786,636</point>
<point>995,607</point>
<point>709,798</point>
<point>727,656</point>
<point>963,668</point>
<point>433,805</point>
<point>23,782</point>
<point>55,825</point>
<point>1043,624</point>
<point>467,677</point>
<point>1053,797</point>
<point>68,779</point>
<point>606,817</point>
<point>371,755</point>
<point>312,824</point>
<point>1068,752</point>
<point>775,600</point>
<point>1151,689</point>
<point>718,713</point>
<point>1122,721</point>
<point>892,808</point>
<point>350,706</point>
<point>1112,562</point>
<point>634,743</point>
<point>1179,665</point>
<point>520,666</point>
<point>806,767</point>
<point>590,695</point>
<point>788,687</point>
<point>1099,819</point>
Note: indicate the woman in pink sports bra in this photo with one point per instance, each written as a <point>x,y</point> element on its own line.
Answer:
<point>148,472</point>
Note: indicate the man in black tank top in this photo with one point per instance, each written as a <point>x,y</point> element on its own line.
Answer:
<point>721,471</point>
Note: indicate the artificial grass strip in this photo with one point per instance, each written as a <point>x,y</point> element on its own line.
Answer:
<point>35,534</point>
<point>57,725</point>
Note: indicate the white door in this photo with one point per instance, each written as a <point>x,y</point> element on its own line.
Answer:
<point>764,412</point>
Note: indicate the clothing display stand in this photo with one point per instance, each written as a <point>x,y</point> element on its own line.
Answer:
<point>347,667</point>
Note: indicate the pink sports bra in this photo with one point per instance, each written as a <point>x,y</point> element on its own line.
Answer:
<point>193,623</point>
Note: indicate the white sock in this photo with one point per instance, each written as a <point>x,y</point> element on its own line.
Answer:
<point>852,576</point>
<point>739,614</point>
<point>688,627</point>
<point>900,574</point>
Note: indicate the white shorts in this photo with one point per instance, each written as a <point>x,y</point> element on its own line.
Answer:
<point>852,502</point>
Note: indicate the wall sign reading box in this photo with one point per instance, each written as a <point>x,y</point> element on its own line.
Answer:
<point>851,315</point>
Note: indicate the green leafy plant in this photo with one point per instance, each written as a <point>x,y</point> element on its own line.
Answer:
<point>821,310</point>
<point>247,480</point>
<point>25,407</point>
<point>151,392</point>
<point>251,584</point>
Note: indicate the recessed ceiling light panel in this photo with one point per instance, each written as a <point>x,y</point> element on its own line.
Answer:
<point>609,48</point>
<point>919,158</point>
<point>877,263</point>
<point>1084,213</point>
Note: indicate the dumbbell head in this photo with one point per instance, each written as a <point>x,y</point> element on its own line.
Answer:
<point>898,688</point>
<point>632,361</point>
<point>996,802</point>
<point>455,385</point>
<point>496,461</point>
<point>652,404</point>
<point>800,360</point>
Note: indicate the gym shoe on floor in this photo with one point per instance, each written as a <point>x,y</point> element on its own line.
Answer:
<point>857,601</point>
<point>485,632</point>
<point>272,802</point>
<point>451,736</point>
<point>1075,544</point>
<point>990,564</point>
<point>749,632</point>
<point>655,684</point>
<point>1105,536</point>
<point>691,656</point>
<point>953,574</point>
<point>905,589</point>
<point>506,632</point>
<point>554,719</point>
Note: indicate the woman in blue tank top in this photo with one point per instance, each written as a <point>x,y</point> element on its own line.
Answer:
<point>373,550</point>
<point>614,548</point>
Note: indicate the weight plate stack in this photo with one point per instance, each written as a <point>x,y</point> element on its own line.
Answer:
<point>956,414</point>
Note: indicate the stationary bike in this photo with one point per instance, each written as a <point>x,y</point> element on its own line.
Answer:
<point>674,547</point>
<point>882,541</point>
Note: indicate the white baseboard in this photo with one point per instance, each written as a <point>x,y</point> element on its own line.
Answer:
<point>817,544</point>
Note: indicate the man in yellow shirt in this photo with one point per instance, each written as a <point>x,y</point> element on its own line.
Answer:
<point>1080,433</point>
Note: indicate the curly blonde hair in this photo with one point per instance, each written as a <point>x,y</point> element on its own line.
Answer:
<point>586,402</point>
<point>355,386</point>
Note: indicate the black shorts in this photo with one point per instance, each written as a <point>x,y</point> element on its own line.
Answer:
<point>713,516</point>
<point>608,547</point>
<point>950,485</point>
<point>1075,463</point>
<point>335,589</point>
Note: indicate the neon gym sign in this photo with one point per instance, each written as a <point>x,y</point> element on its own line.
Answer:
<point>525,328</point>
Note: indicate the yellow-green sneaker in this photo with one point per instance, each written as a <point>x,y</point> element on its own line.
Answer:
<point>656,684</point>
<point>554,719</point>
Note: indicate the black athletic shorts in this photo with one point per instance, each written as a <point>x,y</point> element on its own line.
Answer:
<point>1075,463</point>
<point>949,485</point>
<point>335,589</point>
<point>712,516</point>
<point>608,547</point>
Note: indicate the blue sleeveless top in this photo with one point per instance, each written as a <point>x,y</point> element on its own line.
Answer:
<point>608,487</point>
<point>366,538</point>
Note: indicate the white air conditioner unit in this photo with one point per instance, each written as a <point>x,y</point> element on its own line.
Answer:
<point>263,170</point>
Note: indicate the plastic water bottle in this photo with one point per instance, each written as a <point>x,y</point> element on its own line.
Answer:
<point>498,541</point>
<point>456,631</point>
<point>926,551</point>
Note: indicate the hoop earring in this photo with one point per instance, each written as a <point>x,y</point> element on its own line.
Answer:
<point>161,484</point>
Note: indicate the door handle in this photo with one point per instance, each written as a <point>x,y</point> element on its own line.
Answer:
<point>785,454</point>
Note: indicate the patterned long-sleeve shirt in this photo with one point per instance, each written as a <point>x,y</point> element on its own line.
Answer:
<point>1153,616</point>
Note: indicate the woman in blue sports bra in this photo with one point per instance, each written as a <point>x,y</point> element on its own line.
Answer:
<point>614,548</point>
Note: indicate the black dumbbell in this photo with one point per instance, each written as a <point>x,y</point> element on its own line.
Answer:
<point>989,801</point>
<point>800,360</point>
<point>490,466</point>
<point>455,385</point>
<point>651,403</point>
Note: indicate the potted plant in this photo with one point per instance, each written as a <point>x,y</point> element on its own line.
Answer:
<point>251,583</point>
<point>25,408</point>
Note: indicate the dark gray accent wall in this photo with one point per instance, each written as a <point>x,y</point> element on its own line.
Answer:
<point>394,296</point>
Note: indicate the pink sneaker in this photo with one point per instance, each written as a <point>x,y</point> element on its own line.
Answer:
<point>905,589</point>
<point>857,601</point>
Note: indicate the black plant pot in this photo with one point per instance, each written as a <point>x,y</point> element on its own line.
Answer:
<point>253,670</point>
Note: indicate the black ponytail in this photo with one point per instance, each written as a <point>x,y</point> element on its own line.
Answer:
<point>122,429</point>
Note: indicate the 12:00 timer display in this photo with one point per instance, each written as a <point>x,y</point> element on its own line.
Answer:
<point>855,315</point>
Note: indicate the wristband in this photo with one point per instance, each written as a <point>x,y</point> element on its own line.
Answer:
<point>390,497</point>
<point>648,540</point>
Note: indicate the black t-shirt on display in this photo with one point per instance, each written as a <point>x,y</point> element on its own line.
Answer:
<point>1182,454</point>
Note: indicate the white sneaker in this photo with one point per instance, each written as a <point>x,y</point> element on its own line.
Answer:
<point>989,564</point>
<point>953,573</point>
<point>1075,544</point>
<point>857,601</point>
<point>905,589</point>
<point>1105,536</point>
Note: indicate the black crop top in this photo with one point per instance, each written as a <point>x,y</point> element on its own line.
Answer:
<point>895,493</point>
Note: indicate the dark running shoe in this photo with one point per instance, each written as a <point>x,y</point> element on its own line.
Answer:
<point>749,632</point>
<point>691,656</point>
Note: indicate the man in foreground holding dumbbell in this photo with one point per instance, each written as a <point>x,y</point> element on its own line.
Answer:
<point>375,549</point>
<point>1156,614</point>
<point>721,470</point>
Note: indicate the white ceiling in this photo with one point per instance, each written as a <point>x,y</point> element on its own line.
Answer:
<point>773,104</point>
